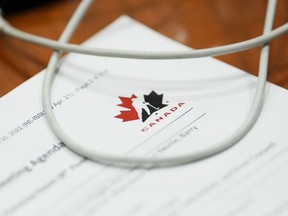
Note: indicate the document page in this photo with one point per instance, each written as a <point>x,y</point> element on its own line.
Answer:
<point>147,108</point>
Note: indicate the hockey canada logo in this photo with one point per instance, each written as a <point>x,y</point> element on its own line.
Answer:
<point>137,108</point>
<point>147,108</point>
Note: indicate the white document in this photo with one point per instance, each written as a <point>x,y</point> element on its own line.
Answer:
<point>143,107</point>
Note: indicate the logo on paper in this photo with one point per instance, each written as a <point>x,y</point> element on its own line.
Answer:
<point>140,108</point>
<point>148,109</point>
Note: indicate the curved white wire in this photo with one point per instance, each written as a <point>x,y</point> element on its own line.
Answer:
<point>132,161</point>
<point>215,51</point>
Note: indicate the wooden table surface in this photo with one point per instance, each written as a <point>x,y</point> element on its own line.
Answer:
<point>196,23</point>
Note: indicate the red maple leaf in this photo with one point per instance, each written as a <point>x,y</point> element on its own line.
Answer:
<point>127,115</point>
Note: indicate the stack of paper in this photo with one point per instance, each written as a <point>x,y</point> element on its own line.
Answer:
<point>141,107</point>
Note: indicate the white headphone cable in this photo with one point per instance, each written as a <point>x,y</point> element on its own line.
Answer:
<point>5,28</point>
<point>144,162</point>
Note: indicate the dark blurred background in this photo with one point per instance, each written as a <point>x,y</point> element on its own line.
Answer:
<point>12,6</point>
<point>195,23</point>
